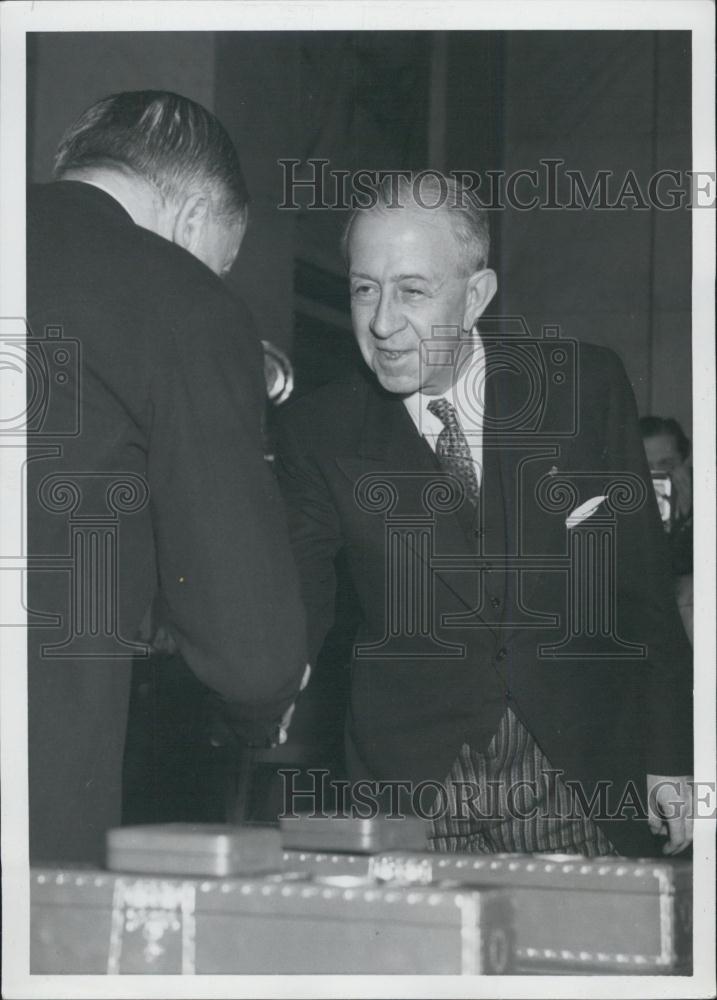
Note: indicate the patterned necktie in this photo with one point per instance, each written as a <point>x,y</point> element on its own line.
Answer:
<point>452,448</point>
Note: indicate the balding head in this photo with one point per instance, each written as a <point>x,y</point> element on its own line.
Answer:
<point>170,163</point>
<point>433,192</point>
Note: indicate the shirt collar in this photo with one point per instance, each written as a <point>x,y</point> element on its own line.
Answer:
<point>465,394</point>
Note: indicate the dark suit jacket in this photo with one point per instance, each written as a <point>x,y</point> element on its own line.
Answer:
<point>601,709</point>
<point>171,394</point>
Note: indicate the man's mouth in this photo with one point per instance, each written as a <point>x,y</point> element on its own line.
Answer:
<point>387,355</point>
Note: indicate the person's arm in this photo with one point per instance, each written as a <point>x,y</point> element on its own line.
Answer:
<point>647,586</point>
<point>314,527</point>
<point>227,578</point>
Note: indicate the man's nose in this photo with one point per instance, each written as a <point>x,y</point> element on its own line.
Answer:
<point>387,318</point>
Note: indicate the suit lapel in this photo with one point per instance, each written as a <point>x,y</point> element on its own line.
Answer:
<point>497,478</point>
<point>390,444</point>
<point>388,434</point>
<point>508,522</point>
<point>515,462</point>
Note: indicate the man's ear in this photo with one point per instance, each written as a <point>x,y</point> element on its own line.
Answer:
<point>482,286</point>
<point>190,220</point>
<point>242,226</point>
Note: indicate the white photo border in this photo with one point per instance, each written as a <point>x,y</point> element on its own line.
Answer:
<point>18,19</point>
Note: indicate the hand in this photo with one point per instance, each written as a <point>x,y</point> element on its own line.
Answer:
<point>669,810</point>
<point>226,728</point>
<point>163,641</point>
<point>288,714</point>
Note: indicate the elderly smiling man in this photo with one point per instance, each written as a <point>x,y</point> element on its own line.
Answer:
<point>461,676</point>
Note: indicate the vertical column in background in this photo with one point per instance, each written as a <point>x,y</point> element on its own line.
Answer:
<point>257,90</point>
<point>599,101</point>
<point>474,127</point>
<point>670,389</point>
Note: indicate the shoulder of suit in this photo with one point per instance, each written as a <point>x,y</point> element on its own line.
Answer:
<point>337,405</point>
<point>599,354</point>
<point>344,392</point>
<point>598,364</point>
<point>149,265</point>
<point>183,283</point>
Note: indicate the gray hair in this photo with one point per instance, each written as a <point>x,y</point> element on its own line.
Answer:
<point>168,140</point>
<point>432,191</point>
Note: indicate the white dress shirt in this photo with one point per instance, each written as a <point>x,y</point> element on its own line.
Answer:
<point>466,395</point>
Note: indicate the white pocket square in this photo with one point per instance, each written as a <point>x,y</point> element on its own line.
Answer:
<point>583,512</point>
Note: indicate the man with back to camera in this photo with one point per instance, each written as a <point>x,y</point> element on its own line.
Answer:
<point>126,251</point>
<point>469,702</point>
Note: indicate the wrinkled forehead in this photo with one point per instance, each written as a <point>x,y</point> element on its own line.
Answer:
<point>409,232</point>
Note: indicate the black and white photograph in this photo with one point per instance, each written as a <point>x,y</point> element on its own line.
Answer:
<point>357,454</point>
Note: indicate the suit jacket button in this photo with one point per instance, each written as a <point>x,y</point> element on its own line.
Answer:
<point>501,654</point>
